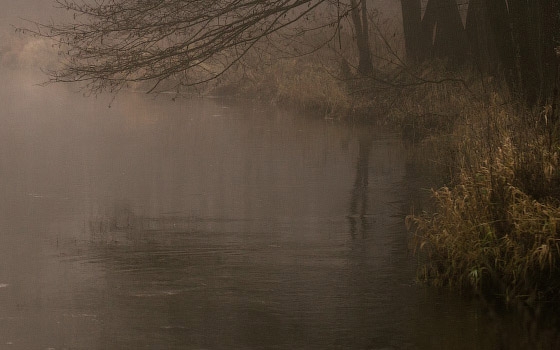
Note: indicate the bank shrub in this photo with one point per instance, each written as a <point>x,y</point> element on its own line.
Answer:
<point>494,227</point>
<point>306,85</point>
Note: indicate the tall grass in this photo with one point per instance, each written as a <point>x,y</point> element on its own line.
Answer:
<point>494,228</point>
<point>307,85</point>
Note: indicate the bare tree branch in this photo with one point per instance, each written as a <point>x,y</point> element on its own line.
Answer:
<point>110,43</point>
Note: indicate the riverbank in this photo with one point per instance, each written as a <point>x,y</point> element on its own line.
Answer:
<point>493,228</point>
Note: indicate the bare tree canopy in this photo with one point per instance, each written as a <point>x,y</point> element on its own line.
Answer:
<point>112,42</point>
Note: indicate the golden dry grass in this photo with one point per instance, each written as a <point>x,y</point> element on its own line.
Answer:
<point>302,84</point>
<point>494,228</point>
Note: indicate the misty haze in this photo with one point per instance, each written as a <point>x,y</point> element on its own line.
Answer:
<point>278,175</point>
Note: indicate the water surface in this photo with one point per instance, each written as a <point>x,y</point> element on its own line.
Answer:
<point>208,224</point>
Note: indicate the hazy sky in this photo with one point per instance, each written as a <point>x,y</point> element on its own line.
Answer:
<point>14,12</point>
<point>43,9</point>
<point>19,48</point>
<point>32,9</point>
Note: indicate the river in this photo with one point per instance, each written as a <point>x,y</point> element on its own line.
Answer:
<point>203,223</point>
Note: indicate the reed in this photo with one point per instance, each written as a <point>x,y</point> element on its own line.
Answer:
<point>494,227</point>
<point>305,85</point>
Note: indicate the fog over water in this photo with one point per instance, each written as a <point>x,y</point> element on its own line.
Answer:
<point>205,223</point>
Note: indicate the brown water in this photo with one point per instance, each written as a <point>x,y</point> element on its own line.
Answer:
<point>207,224</point>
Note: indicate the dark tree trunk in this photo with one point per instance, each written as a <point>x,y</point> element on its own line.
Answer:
<point>360,21</point>
<point>443,31</point>
<point>526,35</point>
<point>550,32</point>
<point>482,44</point>
<point>427,29</point>
<point>498,18</point>
<point>412,19</point>
<point>450,39</point>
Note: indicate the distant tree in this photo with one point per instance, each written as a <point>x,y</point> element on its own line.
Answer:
<point>412,24</point>
<point>360,20</point>
<point>110,43</point>
<point>527,35</point>
<point>517,38</point>
<point>438,32</point>
<point>482,41</point>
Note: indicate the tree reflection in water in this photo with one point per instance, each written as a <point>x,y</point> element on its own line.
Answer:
<point>359,196</point>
